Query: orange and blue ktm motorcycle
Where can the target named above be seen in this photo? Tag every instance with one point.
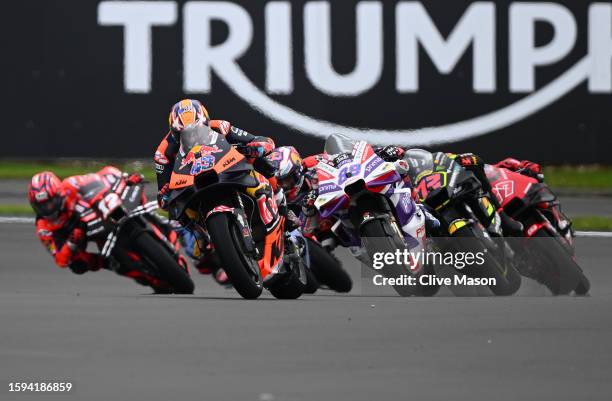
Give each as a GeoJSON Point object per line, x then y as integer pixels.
{"type": "Point", "coordinates": [217, 193]}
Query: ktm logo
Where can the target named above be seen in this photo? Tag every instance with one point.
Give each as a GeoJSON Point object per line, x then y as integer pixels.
{"type": "Point", "coordinates": [229, 161]}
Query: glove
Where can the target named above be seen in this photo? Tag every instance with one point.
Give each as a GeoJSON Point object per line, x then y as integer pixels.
{"type": "Point", "coordinates": [509, 163]}
{"type": "Point", "coordinates": [391, 153]}
{"type": "Point", "coordinates": [163, 196]}
{"type": "Point", "coordinates": [308, 207]}
{"type": "Point", "coordinates": [530, 168]}
{"type": "Point", "coordinates": [469, 160]}
{"type": "Point", "coordinates": [258, 148]}
{"type": "Point", "coordinates": [135, 179]}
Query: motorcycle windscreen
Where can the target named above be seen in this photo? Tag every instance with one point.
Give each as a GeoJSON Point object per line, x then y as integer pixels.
{"type": "Point", "coordinates": [419, 160]}
{"type": "Point", "coordinates": [338, 143]}
{"type": "Point", "coordinates": [201, 135]}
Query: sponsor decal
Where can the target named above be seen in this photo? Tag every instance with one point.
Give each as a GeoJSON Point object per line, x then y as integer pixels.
{"type": "Point", "coordinates": [202, 163]}
{"type": "Point", "coordinates": [160, 158]}
{"type": "Point", "coordinates": [41, 196]}
{"type": "Point", "coordinates": [504, 189]}
{"type": "Point", "coordinates": [414, 27]}
{"type": "Point", "coordinates": [229, 161]}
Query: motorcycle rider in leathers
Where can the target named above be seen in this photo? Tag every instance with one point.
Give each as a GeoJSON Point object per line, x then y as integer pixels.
{"type": "Point", "coordinates": [186, 113]}
{"type": "Point", "coordinates": [60, 231]}
{"type": "Point", "coordinates": [472, 162]}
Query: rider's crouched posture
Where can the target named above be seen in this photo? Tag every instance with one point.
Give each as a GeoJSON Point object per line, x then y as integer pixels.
{"type": "Point", "coordinates": [305, 190]}
{"type": "Point", "coordinates": [58, 224]}
{"type": "Point", "coordinates": [298, 178]}
{"type": "Point", "coordinates": [189, 113]}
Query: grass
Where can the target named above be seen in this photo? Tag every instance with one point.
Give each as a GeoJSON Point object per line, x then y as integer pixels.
{"type": "Point", "coordinates": [14, 169]}
{"type": "Point", "coordinates": [595, 178]}
{"type": "Point", "coordinates": [592, 223]}
{"type": "Point", "coordinates": [588, 178]}
{"type": "Point", "coordinates": [583, 223]}
{"type": "Point", "coordinates": [580, 177]}
{"type": "Point", "coordinates": [16, 210]}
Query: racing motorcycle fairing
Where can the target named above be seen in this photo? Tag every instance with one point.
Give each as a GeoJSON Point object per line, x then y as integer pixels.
{"type": "Point", "coordinates": [349, 173]}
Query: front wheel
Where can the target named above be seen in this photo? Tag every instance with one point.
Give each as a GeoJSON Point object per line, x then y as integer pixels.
{"type": "Point", "coordinates": [157, 257]}
{"type": "Point", "coordinates": [241, 268]}
{"type": "Point", "coordinates": [496, 266]}
{"type": "Point", "coordinates": [379, 237]}
{"type": "Point", "coordinates": [327, 269]}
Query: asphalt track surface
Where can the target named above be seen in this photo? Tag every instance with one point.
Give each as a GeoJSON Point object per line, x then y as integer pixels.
{"type": "Point", "coordinates": [115, 341]}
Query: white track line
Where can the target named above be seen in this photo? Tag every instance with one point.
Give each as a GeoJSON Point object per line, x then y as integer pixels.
{"type": "Point", "coordinates": [30, 220]}
{"type": "Point", "coordinates": [18, 220]}
{"type": "Point", "coordinates": [604, 234]}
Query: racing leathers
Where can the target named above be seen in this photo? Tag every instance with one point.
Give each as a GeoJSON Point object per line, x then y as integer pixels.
{"type": "Point", "coordinates": [67, 241]}
{"type": "Point", "coordinates": [255, 147]}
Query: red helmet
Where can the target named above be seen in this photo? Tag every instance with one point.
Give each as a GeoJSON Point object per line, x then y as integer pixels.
{"type": "Point", "coordinates": [47, 197]}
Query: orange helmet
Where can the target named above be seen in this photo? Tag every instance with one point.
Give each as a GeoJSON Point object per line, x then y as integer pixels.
{"type": "Point", "coordinates": [187, 112]}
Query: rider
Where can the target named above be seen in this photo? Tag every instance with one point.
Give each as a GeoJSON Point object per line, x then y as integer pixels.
{"type": "Point", "coordinates": [57, 223]}
{"type": "Point", "coordinates": [307, 194]}
{"type": "Point", "coordinates": [298, 178]}
{"type": "Point", "coordinates": [187, 113]}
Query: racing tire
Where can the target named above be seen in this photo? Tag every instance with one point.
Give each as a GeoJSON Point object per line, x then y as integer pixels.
{"type": "Point", "coordinates": [376, 239]}
{"type": "Point", "coordinates": [312, 284]}
{"type": "Point", "coordinates": [327, 269]}
{"type": "Point", "coordinates": [568, 275]}
{"type": "Point", "coordinates": [507, 278]}
{"type": "Point", "coordinates": [294, 284]}
{"type": "Point", "coordinates": [242, 269]}
{"type": "Point", "coordinates": [162, 261]}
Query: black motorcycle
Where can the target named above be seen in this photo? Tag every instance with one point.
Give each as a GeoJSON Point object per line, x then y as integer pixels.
{"type": "Point", "coordinates": [469, 222]}
{"type": "Point", "coordinates": [132, 236]}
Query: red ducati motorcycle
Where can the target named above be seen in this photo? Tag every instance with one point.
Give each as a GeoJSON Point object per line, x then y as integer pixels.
{"type": "Point", "coordinates": [546, 250]}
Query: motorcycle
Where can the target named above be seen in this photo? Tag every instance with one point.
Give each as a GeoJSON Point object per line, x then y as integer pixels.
{"type": "Point", "coordinates": [134, 238]}
{"type": "Point", "coordinates": [216, 192]}
{"type": "Point", "coordinates": [372, 208]}
{"type": "Point", "coordinates": [546, 252]}
{"type": "Point", "coordinates": [322, 268]}
{"type": "Point", "coordinates": [468, 219]}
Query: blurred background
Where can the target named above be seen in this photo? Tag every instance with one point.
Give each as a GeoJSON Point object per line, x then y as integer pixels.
{"type": "Point", "coordinates": [89, 82]}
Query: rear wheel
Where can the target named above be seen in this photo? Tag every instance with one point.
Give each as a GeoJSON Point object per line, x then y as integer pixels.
{"type": "Point", "coordinates": [158, 258]}
{"type": "Point", "coordinates": [327, 269]}
{"type": "Point", "coordinates": [558, 270]}
{"type": "Point", "coordinates": [242, 269]}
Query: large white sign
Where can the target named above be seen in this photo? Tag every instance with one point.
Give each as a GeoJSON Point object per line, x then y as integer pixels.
{"type": "Point", "coordinates": [414, 28]}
